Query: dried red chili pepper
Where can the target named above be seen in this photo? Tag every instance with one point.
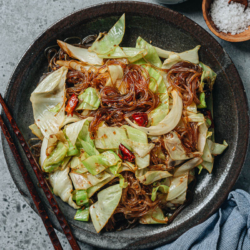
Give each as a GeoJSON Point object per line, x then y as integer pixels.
{"type": "Point", "coordinates": [141, 119]}
{"type": "Point", "coordinates": [71, 105]}
{"type": "Point", "coordinates": [126, 154]}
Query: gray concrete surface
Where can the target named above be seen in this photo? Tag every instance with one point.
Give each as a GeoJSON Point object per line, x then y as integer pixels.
{"type": "Point", "coordinates": [20, 23]}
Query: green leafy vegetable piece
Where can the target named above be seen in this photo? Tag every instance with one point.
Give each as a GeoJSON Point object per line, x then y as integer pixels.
{"type": "Point", "coordinates": [159, 113]}
{"type": "Point", "coordinates": [154, 216]}
{"type": "Point", "coordinates": [151, 56]}
{"type": "Point", "coordinates": [208, 77]}
{"type": "Point", "coordinates": [109, 137]}
{"type": "Point", "coordinates": [138, 137]}
{"type": "Point", "coordinates": [132, 54]}
{"type": "Point", "coordinates": [107, 42]}
{"type": "Point", "coordinates": [178, 186]}
{"type": "Point", "coordinates": [97, 163]}
{"type": "Point", "coordinates": [82, 198]}
{"type": "Point", "coordinates": [72, 150]}
{"type": "Point", "coordinates": [89, 100]}
{"type": "Point", "coordinates": [62, 186]}
{"type": "Point", "coordinates": [151, 176]}
{"type": "Point", "coordinates": [89, 149]}
{"type": "Point", "coordinates": [91, 191]}
{"type": "Point", "coordinates": [208, 166]}
{"type": "Point", "coordinates": [48, 94]}
{"type": "Point", "coordinates": [53, 161]}
{"type": "Point", "coordinates": [81, 54]}
{"type": "Point", "coordinates": [200, 167]}
{"type": "Point", "coordinates": [216, 148]}
{"type": "Point", "coordinates": [102, 210]}
{"type": "Point", "coordinates": [207, 156]}
{"type": "Point", "coordinates": [94, 180]}
{"type": "Point", "coordinates": [77, 165]}
{"type": "Point", "coordinates": [163, 188]}
{"type": "Point", "coordinates": [56, 108]}
{"type": "Point", "coordinates": [82, 214]}
{"type": "Point", "coordinates": [80, 181]}
{"type": "Point", "coordinates": [36, 131]}
{"type": "Point", "coordinates": [202, 98]}
{"type": "Point", "coordinates": [156, 83]}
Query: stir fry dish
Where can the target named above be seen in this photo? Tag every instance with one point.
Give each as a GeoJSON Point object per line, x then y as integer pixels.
{"type": "Point", "coordinates": [123, 131]}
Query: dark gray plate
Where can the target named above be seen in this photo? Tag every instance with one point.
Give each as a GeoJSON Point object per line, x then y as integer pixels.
{"type": "Point", "coordinates": [168, 30]}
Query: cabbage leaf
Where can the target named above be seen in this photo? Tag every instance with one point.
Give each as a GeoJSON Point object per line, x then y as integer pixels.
{"type": "Point", "coordinates": [81, 54]}
{"type": "Point", "coordinates": [154, 216]}
{"type": "Point", "coordinates": [102, 210]}
{"type": "Point", "coordinates": [47, 95]}
{"type": "Point", "coordinates": [151, 56]}
{"type": "Point", "coordinates": [89, 100]}
{"type": "Point", "coordinates": [62, 186]}
{"type": "Point", "coordinates": [106, 43]}
{"type": "Point", "coordinates": [151, 176]}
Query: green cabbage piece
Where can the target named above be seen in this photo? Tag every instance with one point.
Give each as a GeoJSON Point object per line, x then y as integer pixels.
{"type": "Point", "coordinates": [208, 166]}
{"type": "Point", "coordinates": [89, 100]}
{"type": "Point", "coordinates": [138, 136]}
{"type": "Point", "coordinates": [216, 148]}
{"type": "Point", "coordinates": [189, 55]}
{"type": "Point", "coordinates": [62, 186]}
{"type": "Point", "coordinates": [102, 210]}
{"type": "Point", "coordinates": [55, 159]}
{"type": "Point", "coordinates": [151, 176]}
{"type": "Point", "coordinates": [132, 54]}
{"type": "Point", "coordinates": [178, 186]}
{"type": "Point", "coordinates": [80, 181]}
{"type": "Point", "coordinates": [96, 179]}
{"type": "Point", "coordinates": [109, 41]}
{"type": "Point", "coordinates": [81, 197]}
{"type": "Point", "coordinates": [47, 95]}
{"type": "Point", "coordinates": [72, 150]}
{"type": "Point", "coordinates": [97, 163]}
{"type": "Point", "coordinates": [163, 188]}
{"type": "Point", "coordinates": [159, 113]}
{"type": "Point", "coordinates": [81, 54]}
{"type": "Point", "coordinates": [151, 56]}
{"type": "Point", "coordinates": [36, 131]}
{"type": "Point", "coordinates": [208, 77]}
{"type": "Point", "coordinates": [202, 98]}
{"type": "Point", "coordinates": [92, 190]}
{"type": "Point", "coordinates": [76, 163]}
{"type": "Point", "coordinates": [82, 214]}
{"type": "Point", "coordinates": [175, 148]}
{"type": "Point", "coordinates": [156, 83]}
{"type": "Point", "coordinates": [207, 156]}
{"type": "Point", "coordinates": [109, 137]}
{"type": "Point", "coordinates": [153, 213]}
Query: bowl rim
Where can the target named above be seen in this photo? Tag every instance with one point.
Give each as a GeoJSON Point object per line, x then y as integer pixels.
{"type": "Point", "coordinates": [222, 35]}
{"type": "Point", "coordinates": [184, 23]}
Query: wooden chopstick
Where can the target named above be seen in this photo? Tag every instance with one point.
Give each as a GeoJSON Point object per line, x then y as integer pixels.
{"type": "Point", "coordinates": [43, 183]}
{"type": "Point", "coordinates": [39, 205]}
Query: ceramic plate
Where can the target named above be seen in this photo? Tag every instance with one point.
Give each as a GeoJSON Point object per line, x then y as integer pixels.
{"type": "Point", "coordinates": [169, 30]}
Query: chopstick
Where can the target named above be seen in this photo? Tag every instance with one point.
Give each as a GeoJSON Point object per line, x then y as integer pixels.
{"type": "Point", "coordinates": [62, 221]}
{"type": "Point", "coordinates": [39, 205]}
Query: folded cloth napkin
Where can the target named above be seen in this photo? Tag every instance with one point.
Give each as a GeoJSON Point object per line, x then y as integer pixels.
{"type": "Point", "coordinates": [228, 229]}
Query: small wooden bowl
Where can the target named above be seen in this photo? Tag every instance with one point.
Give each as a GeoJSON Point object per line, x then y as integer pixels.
{"type": "Point", "coordinates": [244, 36]}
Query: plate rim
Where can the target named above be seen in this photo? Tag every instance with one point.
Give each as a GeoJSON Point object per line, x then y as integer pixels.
{"type": "Point", "coordinates": [114, 6]}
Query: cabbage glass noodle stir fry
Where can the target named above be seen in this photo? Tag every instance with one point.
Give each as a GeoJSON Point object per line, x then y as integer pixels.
{"type": "Point", "coordinates": [124, 130]}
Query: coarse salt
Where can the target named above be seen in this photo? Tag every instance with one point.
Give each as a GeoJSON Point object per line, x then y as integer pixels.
{"type": "Point", "coordinates": [231, 17]}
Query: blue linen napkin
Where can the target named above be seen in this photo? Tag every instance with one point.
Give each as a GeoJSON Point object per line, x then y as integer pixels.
{"type": "Point", "coordinates": [228, 229]}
